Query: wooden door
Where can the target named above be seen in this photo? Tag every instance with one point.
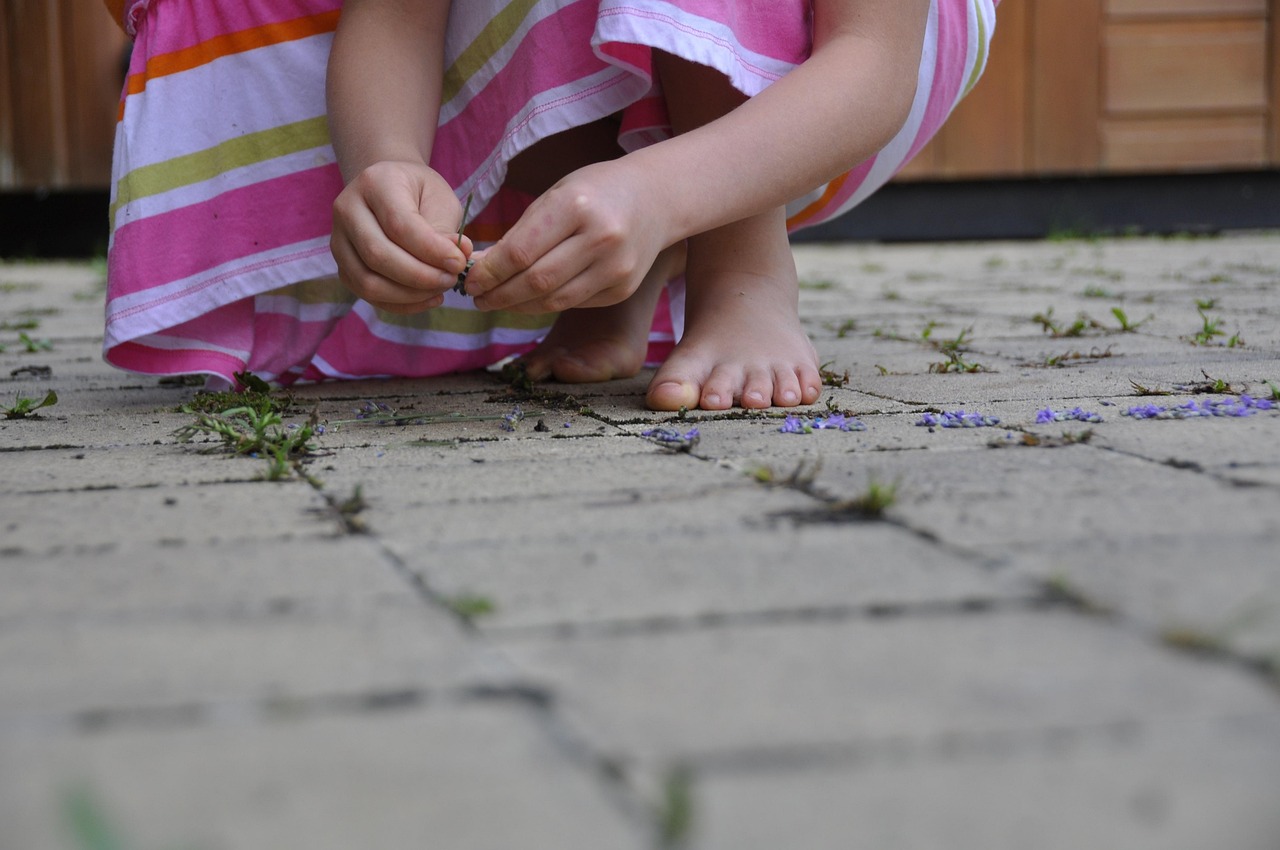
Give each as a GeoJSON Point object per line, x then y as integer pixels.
{"type": "Point", "coordinates": [1119, 86]}
{"type": "Point", "coordinates": [60, 79]}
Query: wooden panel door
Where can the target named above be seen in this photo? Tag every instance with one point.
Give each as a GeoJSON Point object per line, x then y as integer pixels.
{"type": "Point", "coordinates": [1085, 87]}
{"type": "Point", "coordinates": [60, 79]}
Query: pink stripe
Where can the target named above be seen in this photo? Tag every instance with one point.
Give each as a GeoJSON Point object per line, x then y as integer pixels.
{"type": "Point", "coordinates": [759, 26]}
{"type": "Point", "coordinates": [351, 348]}
{"type": "Point", "coordinates": [137, 357]}
{"type": "Point", "coordinates": [735, 48]}
{"type": "Point", "coordinates": [948, 71]}
{"type": "Point", "coordinates": [461, 142]}
{"type": "Point", "coordinates": [181, 25]}
{"type": "Point", "coordinates": [180, 243]}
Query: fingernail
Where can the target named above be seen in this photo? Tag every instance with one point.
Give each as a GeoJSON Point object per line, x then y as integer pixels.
{"type": "Point", "coordinates": [449, 280]}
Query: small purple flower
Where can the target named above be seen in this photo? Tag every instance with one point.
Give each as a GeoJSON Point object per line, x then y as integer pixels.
{"type": "Point", "coordinates": [1243, 406]}
{"type": "Point", "coordinates": [670, 438]}
{"type": "Point", "coordinates": [1076, 414]}
{"type": "Point", "coordinates": [794, 425]}
{"type": "Point", "coordinates": [957, 419]}
{"type": "Point", "coordinates": [831, 422]}
{"type": "Point", "coordinates": [509, 420]}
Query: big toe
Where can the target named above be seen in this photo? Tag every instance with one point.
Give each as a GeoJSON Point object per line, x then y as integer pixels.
{"type": "Point", "coordinates": [672, 395]}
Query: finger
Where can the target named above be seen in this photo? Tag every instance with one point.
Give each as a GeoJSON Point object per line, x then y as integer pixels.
{"type": "Point", "coordinates": [407, 228]}
{"type": "Point", "coordinates": [537, 233]}
{"type": "Point", "coordinates": [541, 284]}
{"type": "Point", "coordinates": [368, 284]}
{"type": "Point", "coordinates": [593, 287]}
{"type": "Point", "coordinates": [386, 259]}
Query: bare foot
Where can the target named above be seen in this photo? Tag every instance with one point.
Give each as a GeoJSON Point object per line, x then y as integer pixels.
{"type": "Point", "coordinates": [587, 345]}
{"type": "Point", "coordinates": [743, 343]}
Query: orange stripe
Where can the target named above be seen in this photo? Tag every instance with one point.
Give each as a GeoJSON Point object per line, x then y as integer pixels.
{"type": "Point", "coordinates": [833, 188]}
{"type": "Point", "coordinates": [229, 44]}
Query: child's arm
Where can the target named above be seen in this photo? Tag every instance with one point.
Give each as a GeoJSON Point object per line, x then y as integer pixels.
{"type": "Point", "coordinates": [836, 110]}
{"type": "Point", "coordinates": [395, 224]}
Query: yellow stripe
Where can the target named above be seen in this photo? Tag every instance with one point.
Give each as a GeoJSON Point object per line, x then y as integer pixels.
{"type": "Point", "coordinates": [329, 290]}
{"type": "Point", "coordinates": [453, 320]}
{"type": "Point", "coordinates": [500, 30]}
{"type": "Point", "coordinates": [980, 60]}
{"type": "Point", "coordinates": [209, 163]}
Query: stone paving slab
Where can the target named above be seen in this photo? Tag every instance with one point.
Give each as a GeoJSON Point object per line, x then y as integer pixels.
{"type": "Point", "coordinates": [758, 570]}
{"type": "Point", "coordinates": [452, 627]}
{"type": "Point", "coordinates": [815, 683]}
{"type": "Point", "coordinates": [1165, 786]}
{"type": "Point", "coordinates": [1215, 587]}
{"type": "Point", "coordinates": [472, 776]}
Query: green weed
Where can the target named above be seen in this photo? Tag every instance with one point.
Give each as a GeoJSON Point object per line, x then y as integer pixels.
{"type": "Point", "coordinates": [24, 407]}
{"type": "Point", "coordinates": [831, 378]}
{"type": "Point", "coordinates": [1127, 326]}
{"type": "Point", "coordinates": [1209, 329]}
{"type": "Point", "coordinates": [470, 606]}
{"type": "Point", "coordinates": [675, 815]}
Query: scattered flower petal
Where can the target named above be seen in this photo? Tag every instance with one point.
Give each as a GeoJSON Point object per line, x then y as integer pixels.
{"type": "Point", "coordinates": [1244, 405]}
{"type": "Point", "coordinates": [670, 438]}
{"type": "Point", "coordinates": [831, 422]}
{"type": "Point", "coordinates": [956, 419]}
{"type": "Point", "coordinates": [1077, 414]}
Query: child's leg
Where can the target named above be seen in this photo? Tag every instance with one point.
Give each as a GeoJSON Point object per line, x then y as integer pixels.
{"type": "Point", "coordinates": [743, 342]}
{"type": "Point", "coordinates": [599, 344]}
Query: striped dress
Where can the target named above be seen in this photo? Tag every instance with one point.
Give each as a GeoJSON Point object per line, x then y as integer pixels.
{"type": "Point", "coordinates": [224, 177]}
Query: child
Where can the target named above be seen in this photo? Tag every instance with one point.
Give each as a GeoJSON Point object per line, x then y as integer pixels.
{"type": "Point", "coordinates": [608, 145]}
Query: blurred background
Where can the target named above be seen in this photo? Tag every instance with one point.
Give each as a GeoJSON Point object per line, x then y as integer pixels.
{"type": "Point", "coordinates": [1095, 116]}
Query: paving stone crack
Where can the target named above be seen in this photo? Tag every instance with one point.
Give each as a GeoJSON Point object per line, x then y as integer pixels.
{"type": "Point", "coordinates": [765, 618]}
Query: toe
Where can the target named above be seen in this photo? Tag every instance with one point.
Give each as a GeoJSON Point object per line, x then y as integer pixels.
{"type": "Point", "coordinates": [786, 388]}
{"type": "Point", "coordinates": [671, 395]}
{"type": "Point", "coordinates": [720, 389]}
{"type": "Point", "coordinates": [757, 389]}
{"type": "Point", "coordinates": [810, 383]}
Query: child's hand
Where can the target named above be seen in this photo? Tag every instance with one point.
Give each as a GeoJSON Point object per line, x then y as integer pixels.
{"type": "Point", "coordinates": [395, 237]}
{"type": "Point", "coordinates": [587, 242]}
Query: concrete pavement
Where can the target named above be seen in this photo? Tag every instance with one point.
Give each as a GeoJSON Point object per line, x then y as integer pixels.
{"type": "Point", "coordinates": [445, 634]}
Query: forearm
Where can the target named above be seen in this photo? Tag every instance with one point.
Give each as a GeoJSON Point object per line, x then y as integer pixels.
{"type": "Point", "coordinates": [384, 81]}
{"type": "Point", "coordinates": [833, 112]}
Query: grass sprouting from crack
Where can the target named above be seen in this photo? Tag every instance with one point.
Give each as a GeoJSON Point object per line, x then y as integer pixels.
{"type": "Point", "coordinates": [1141, 390]}
{"type": "Point", "coordinates": [869, 505]}
{"type": "Point", "coordinates": [676, 809]}
{"type": "Point", "coordinates": [258, 432]}
{"type": "Point", "coordinates": [87, 823]}
{"type": "Point", "coordinates": [954, 350]}
{"type": "Point", "coordinates": [31, 345]}
{"type": "Point", "coordinates": [832, 378]}
{"type": "Point", "coordinates": [255, 393]}
{"type": "Point", "coordinates": [348, 512]}
{"type": "Point", "coordinates": [25, 408]}
{"type": "Point", "coordinates": [1211, 328]}
{"type": "Point", "coordinates": [469, 606]}
{"type": "Point", "coordinates": [1059, 588]}
{"type": "Point", "coordinates": [1060, 360]}
{"type": "Point", "coordinates": [1216, 642]}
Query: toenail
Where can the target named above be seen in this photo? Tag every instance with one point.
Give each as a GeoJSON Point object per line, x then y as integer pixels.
{"type": "Point", "coordinates": [713, 399]}
{"type": "Point", "coordinates": [790, 395]}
